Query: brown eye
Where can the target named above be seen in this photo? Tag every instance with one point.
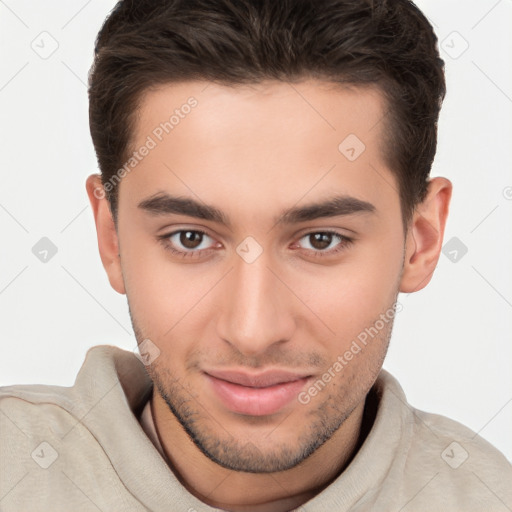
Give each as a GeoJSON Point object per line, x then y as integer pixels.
{"type": "Point", "coordinates": [188, 241]}
{"type": "Point", "coordinates": [320, 241]}
{"type": "Point", "coordinates": [324, 243]}
{"type": "Point", "coordinates": [191, 239]}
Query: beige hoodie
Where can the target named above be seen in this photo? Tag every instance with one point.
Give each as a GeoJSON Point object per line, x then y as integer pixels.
{"type": "Point", "coordinates": [93, 447]}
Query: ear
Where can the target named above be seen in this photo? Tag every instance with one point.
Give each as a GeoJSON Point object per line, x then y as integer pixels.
{"type": "Point", "coordinates": [108, 243]}
{"type": "Point", "coordinates": [424, 238]}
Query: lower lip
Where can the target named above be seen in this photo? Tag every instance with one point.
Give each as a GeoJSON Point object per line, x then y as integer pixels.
{"type": "Point", "coordinates": [256, 401]}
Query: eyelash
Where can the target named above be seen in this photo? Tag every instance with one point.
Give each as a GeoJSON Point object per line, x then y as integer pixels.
{"type": "Point", "coordinates": [342, 245]}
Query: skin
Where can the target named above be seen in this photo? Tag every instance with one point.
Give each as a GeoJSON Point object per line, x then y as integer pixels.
{"type": "Point", "coordinates": [254, 152]}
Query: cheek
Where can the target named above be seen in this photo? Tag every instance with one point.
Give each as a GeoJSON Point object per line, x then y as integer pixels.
{"type": "Point", "coordinates": [154, 292]}
{"type": "Point", "coordinates": [352, 296]}
{"type": "Point", "coordinates": [166, 299]}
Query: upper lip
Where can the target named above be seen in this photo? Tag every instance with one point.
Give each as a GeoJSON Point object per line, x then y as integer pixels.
{"type": "Point", "coordinates": [259, 380]}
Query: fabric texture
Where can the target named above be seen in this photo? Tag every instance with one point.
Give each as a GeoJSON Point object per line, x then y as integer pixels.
{"type": "Point", "coordinates": [94, 446]}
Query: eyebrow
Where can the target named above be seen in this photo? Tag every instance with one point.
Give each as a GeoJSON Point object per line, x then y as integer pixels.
{"type": "Point", "coordinates": [165, 204]}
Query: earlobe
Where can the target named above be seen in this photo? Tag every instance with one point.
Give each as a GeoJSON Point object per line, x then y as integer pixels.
{"type": "Point", "coordinates": [108, 243]}
{"type": "Point", "coordinates": [424, 238]}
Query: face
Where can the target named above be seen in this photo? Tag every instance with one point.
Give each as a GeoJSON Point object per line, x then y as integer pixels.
{"type": "Point", "coordinates": [260, 243]}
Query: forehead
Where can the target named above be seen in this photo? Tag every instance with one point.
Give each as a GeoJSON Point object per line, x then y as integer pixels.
{"type": "Point", "coordinates": [271, 141]}
{"type": "Point", "coordinates": [234, 112]}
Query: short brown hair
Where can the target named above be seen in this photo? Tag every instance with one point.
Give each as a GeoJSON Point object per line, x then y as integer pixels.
{"type": "Point", "coordinates": [387, 43]}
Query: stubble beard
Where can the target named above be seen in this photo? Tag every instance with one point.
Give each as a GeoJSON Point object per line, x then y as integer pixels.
{"type": "Point", "coordinates": [218, 445]}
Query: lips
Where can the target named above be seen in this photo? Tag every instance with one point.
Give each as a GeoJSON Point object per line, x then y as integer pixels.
{"type": "Point", "coordinates": [261, 380]}
{"type": "Point", "coordinates": [256, 394]}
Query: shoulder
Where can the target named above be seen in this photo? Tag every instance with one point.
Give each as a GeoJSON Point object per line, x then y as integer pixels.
{"type": "Point", "coordinates": [446, 462]}
{"type": "Point", "coordinates": [36, 407]}
{"type": "Point", "coordinates": [460, 446]}
{"type": "Point", "coordinates": [54, 440]}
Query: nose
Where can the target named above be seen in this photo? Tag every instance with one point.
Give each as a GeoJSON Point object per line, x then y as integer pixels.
{"type": "Point", "coordinates": [256, 310]}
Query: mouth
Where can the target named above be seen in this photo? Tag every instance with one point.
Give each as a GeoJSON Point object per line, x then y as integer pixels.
{"type": "Point", "coordinates": [256, 395]}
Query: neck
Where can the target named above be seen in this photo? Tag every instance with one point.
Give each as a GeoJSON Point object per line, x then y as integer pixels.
{"type": "Point", "coordinates": [254, 492]}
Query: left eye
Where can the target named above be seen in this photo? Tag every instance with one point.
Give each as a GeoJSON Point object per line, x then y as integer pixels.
{"type": "Point", "coordinates": [322, 241]}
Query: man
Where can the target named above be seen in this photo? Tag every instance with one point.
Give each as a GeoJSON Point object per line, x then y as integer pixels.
{"type": "Point", "coordinates": [264, 197]}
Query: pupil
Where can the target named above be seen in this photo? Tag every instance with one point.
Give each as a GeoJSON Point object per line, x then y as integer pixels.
{"type": "Point", "coordinates": [191, 239]}
{"type": "Point", "coordinates": [321, 240]}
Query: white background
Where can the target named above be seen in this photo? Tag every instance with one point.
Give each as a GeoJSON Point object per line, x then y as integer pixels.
{"type": "Point", "coordinates": [451, 348]}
